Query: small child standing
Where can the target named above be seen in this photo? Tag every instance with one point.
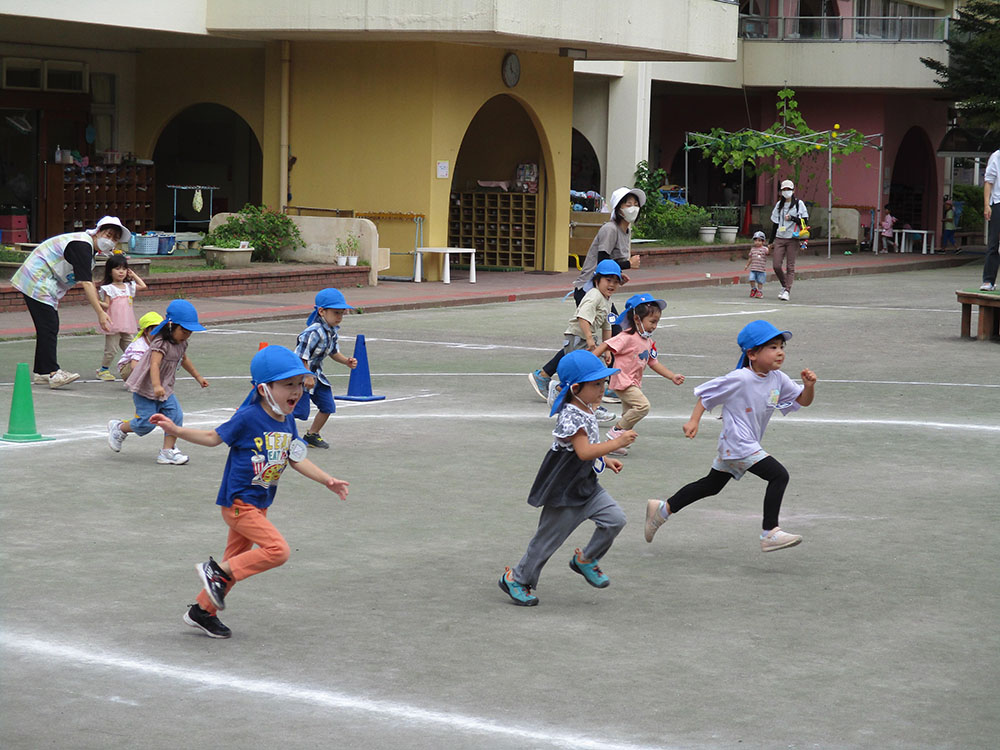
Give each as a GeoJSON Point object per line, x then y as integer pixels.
{"type": "Point", "coordinates": [633, 349]}
{"type": "Point", "coordinates": [115, 296]}
{"type": "Point", "coordinates": [315, 343]}
{"type": "Point", "coordinates": [566, 486]}
{"type": "Point", "coordinates": [152, 381]}
{"type": "Point", "coordinates": [138, 346]}
{"type": "Point", "coordinates": [748, 395]}
{"type": "Point", "coordinates": [757, 263]}
{"type": "Point", "coordinates": [588, 328]}
{"type": "Point", "coordinates": [262, 441]}
{"type": "Point", "coordinates": [888, 222]}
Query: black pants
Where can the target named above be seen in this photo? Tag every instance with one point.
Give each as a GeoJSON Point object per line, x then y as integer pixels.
{"type": "Point", "coordinates": [992, 262]}
{"type": "Point", "coordinates": [769, 469]}
{"type": "Point", "coordinates": [46, 320]}
{"type": "Point", "coordinates": [552, 365]}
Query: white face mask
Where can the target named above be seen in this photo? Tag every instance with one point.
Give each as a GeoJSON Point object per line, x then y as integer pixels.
{"type": "Point", "coordinates": [630, 213]}
{"type": "Point", "coordinates": [786, 193]}
{"type": "Point", "coordinates": [641, 330]}
{"type": "Point", "coordinates": [266, 393]}
{"type": "Point", "coordinates": [105, 245]}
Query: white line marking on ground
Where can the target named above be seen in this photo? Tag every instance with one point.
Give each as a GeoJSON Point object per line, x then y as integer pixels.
{"type": "Point", "coordinates": [856, 307]}
{"type": "Point", "coordinates": [721, 315]}
{"type": "Point", "coordinates": [286, 691]}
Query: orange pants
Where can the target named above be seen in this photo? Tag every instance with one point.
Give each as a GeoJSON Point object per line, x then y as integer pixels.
{"type": "Point", "coordinates": [248, 525]}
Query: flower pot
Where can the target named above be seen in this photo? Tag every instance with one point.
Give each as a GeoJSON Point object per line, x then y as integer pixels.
{"type": "Point", "coordinates": [228, 257]}
{"type": "Point", "coordinates": [352, 260]}
{"type": "Point", "coordinates": [707, 234]}
{"type": "Point", "coordinates": [341, 260]}
{"type": "Point", "coordinates": [728, 234]}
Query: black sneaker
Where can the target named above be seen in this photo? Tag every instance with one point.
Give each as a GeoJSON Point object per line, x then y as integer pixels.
{"type": "Point", "coordinates": [196, 617]}
{"type": "Point", "coordinates": [214, 581]}
{"type": "Point", "coordinates": [315, 440]}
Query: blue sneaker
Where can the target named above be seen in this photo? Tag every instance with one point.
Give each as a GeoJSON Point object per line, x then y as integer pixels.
{"type": "Point", "coordinates": [594, 575]}
{"type": "Point", "coordinates": [610, 397]}
{"type": "Point", "coordinates": [520, 593]}
{"type": "Point", "coordinates": [539, 383]}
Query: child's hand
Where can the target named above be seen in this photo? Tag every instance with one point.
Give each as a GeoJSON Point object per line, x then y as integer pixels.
{"type": "Point", "coordinates": [308, 382]}
{"type": "Point", "coordinates": [607, 358]}
{"type": "Point", "coordinates": [614, 464]}
{"type": "Point", "coordinates": [808, 377]}
{"type": "Point", "coordinates": [202, 382]}
{"type": "Point", "coordinates": [165, 423]}
{"type": "Point", "coordinates": [627, 437]}
{"type": "Point", "coordinates": [351, 362]}
{"type": "Point", "coordinates": [690, 428]}
{"type": "Point", "coordinates": [160, 392]}
{"type": "Point", "coordinates": [677, 379]}
{"type": "Point", "coordinates": [337, 485]}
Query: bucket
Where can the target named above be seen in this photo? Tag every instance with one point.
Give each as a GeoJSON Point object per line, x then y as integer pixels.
{"type": "Point", "coordinates": [166, 244]}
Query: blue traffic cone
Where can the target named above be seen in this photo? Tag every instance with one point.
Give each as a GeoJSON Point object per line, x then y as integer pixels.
{"type": "Point", "coordinates": [21, 425]}
{"type": "Point", "coordinates": [359, 387]}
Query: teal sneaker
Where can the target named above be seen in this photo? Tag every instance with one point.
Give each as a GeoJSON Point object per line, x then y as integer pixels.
{"type": "Point", "coordinates": [594, 575]}
{"type": "Point", "coordinates": [539, 383]}
{"type": "Point", "coordinates": [520, 593]}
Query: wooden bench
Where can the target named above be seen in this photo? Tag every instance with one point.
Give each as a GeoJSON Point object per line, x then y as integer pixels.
{"type": "Point", "coordinates": [989, 320]}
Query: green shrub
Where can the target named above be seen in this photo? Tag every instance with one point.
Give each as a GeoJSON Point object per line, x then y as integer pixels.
{"type": "Point", "coordinates": [972, 211]}
{"type": "Point", "coordinates": [666, 221]}
{"type": "Point", "coordinates": [267, 232]}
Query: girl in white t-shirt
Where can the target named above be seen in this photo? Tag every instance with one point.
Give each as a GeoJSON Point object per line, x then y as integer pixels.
{"type": "Point", "coordinates": [748, 395]}
{"type": "Point", "coordinates": [633, 349]}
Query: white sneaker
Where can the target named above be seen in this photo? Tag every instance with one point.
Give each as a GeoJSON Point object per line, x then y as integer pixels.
{"type": "Point", "coordinates": [784, 295]}
{"type": "Point", "coordinates": [38, 378]}
{"type": "Point", "coordinates": [777, 539]}
{"type": "Point", "coordinates": [613, 433]}
{"type": "Point", "coordinates": [115, 435]}
{"type": "Point", "coordinates": [654, 519]}
{"type": "Point", "coordinates": [60, 378]}
{"type": "Point", "coordinates": [604, 416]}
{"type": "Point", "coordinates": [987, 287]}
{"type": "Point", "coordinates": [554, 387]}
{"type": "Point", "coordinates": [171, 456]}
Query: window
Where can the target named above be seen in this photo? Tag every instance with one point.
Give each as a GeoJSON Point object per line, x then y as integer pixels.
{"type": "Point", "coordinates": [22, 73]}
{"type": "Point", "coordinates": [65, 75]}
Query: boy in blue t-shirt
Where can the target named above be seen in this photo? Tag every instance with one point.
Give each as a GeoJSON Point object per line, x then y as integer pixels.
{"type": "Point", "coordinates": [262, 441]}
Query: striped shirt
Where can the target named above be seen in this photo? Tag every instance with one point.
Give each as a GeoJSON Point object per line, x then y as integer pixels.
{"type": "Point", "coordinates": [315, 343]}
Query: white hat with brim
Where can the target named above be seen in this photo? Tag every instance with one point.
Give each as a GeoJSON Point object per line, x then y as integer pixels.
{"type": "Point", "coordinates": [787, 185]}
{"type": "Point", "coordinates": [619, 195]}
{"type": "Point", "coordinates": [111, 221]}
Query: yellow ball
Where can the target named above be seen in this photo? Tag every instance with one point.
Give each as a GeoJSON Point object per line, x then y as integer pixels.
{"type": "Point", "coordinates": [836, 126]}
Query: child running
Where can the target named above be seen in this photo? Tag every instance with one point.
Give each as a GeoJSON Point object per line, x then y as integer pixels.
{"type": "Point", "coordinates": [588, 328]}
{"type": "Point", "coordinates": [566, 486]}
{"type": "Point", "coordinates": [262, 441]}
{"type": "Point", "coordinates": [749, 395]}
{"type": "Point", "coordinates": [139, 345]}
{"type": "Point", "coordinates": [315, 343]}
{"type": "Point", "coordinates": [757, 264]}
{"type": "Point", "coordinates": [633, 349]}
{"type": "Point", "coordinates": [152, 381]}
{"type": "Point", "coordinates": [115, 296]}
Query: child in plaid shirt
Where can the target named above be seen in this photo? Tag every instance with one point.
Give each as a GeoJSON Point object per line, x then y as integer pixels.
{"type": "Point", "coordinates": [315, 343]}
{"type": "Point", "coordinates": [757, 264]}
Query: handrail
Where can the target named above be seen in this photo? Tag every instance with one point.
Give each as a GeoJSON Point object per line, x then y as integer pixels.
{"type": "Point", "coordinates": [845, 28]}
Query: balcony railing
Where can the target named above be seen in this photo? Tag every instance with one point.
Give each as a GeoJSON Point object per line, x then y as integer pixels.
{"type": "Point", "coordinates": [844, 28]}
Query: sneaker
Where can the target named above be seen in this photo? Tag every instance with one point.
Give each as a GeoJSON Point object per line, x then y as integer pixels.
{"type": "Point", "coordinates": [603, 416]}
{"type": "Point", "coordinates": [594, 575]}
{"type": "Point", "coordinates": [777, 539]}
{"type": "Point", "coordinates": [760, 294]}
{"type": "Point", "coordinates": [315, 440]}
{"type": "Point", "coordinates": [654, 518]}
{"type": "Point", "coordinates": [610, 397]}
{"type": "Point", "coordinates": [103, 373]}
{"type": "Point", "coordinates": [115, 435]}
{"type": "Point", "coordinates": [613, 433]}
{"type": "Point", "coordinates": [539, 383]}
{"type": "Point", "coordinates": [987, 287]}
{"type": "Point", "coordinates": [753, 292]}
{"type": "Point", "coordinates": [784, 295]}
{"type": "Point", "coordinates": [196, 617]}
{"type": "Point", "coordinates": [519, 592]}
{"type": "Point", "coordinates": [554, 387]}
{"type": "Point", "coordinates": [38, 378]}
{"type": "Point", "coordinates": [171, 456]}
{"type": "Point", "coordinates": [214, 581]}
{"type": "Point", "coordinates": [60, 378]}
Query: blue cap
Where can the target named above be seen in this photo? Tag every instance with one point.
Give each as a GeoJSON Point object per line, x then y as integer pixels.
{"type": "Point", "coordinates": [633, 302]}
{"type": "Point", "coordinates": [580, 366]}
{"type": "Point", "coordinates": [270, 364]}
{"type": "Point", "coordinates": [328, 299]}
{"type": "Point", "coordinates": [756, 334]}
{"type": "Point", "coordinates": [182, 313]}
{"type": "Point", "coordinates": [608, 267]}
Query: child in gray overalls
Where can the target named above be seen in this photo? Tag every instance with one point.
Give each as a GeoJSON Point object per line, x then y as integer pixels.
{"type": "Point", "coordinates": [566, 486]}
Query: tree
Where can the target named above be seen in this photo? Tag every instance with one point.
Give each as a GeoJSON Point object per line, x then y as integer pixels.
{"type": "Point", "coordinates": [971, 77]}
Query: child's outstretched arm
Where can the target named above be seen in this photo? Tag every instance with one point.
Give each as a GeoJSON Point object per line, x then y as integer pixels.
{"type": "Point", "coordinates": [808, 387]}
{"type": "Point", "coordinates": [308, 469]}
{"type": "Point", "coordinates": [587, 451]}
{"type": "Point", "coordinates": [660, 369]}
{"type": "Point", "coordinates": [341, 359]}
{"type": "Point", "coordinates": [691, 426]}
{"type": "Point", "coordinates": [188, 365]}
{"type": "Point", "coordinates": [208, 438]}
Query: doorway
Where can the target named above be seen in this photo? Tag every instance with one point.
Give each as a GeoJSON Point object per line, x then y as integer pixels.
{"type": "Point", "coordinates": [912, 192]}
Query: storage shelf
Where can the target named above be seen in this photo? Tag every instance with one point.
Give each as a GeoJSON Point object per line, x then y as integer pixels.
{"type": "Point", "coordinates": [76, 197]}
{"type": "Point", "coordinates": [501, 226]}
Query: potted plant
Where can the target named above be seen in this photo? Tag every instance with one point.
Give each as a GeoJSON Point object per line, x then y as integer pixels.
{"type": "Point", "coordinates": [347, 248]}
{"type": "Point", "coordinates": [707, 234]}
{"type": "Point", "coordinates": [228, 253]}
{"type": "Point", "coordinates": [265, 231]}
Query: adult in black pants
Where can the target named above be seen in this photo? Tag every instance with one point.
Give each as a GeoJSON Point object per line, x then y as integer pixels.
{"type": "Point", "coordinates": [991, 197]}
{"type": "Point", "coordinates": [52, 269]}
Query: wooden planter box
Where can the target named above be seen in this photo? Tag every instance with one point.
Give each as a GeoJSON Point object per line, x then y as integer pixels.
{"type": "Point", "coordinates": [228, 257]}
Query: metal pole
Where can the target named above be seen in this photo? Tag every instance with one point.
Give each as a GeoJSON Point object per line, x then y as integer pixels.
{"type": "Point", "coordinates": [687, 195]}
{"type": "Point", "coordinates": [878, 200]}
{"type": "Point", "coordinates": [829, 193]}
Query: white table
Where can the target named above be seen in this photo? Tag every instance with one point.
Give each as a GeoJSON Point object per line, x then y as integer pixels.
{"type": "Point", "coordinates": [446, 252]}
{"type": "Point", "coordinates": [905, 245]}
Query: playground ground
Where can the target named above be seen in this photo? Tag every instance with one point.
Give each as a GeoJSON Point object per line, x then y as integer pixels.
{"type": "Point", "coordinates": [386, 628]}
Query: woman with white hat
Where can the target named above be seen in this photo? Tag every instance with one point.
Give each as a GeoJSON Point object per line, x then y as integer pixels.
{"type": "Point", "coordinates": [52, 269]}
{"type": "Point", "coordinates": [787, 217]}
{"type": "Point", "coordinates": [613, 240]}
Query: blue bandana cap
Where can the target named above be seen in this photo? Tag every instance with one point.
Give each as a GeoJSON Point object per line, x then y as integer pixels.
{"type": "Point", "coordinates": [328, 299]}
{"type": "Point", "coordinates": [270, 364]}
{"type": "Point", "coordinates": [608, 267]}
{"type": "Point", "coordinates": [182, 313]}
{"type": "Point", "coordinates": [633, 302]}
{"type": "Point", "coordinates": [756, 334]}
{"type": "Point", "coordinates": [576, 367]}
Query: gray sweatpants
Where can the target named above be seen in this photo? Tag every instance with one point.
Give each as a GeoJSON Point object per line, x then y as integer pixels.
{"type": "Point", "coordinates": [556, 524]}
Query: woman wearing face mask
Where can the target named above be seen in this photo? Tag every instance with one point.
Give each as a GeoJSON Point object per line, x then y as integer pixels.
{"type": "Point", "coordinates": [787, 216]}
{"type": "Point", "coordinates": [613, 240]}
{"type": "Point", "coordinates": [52, 269]}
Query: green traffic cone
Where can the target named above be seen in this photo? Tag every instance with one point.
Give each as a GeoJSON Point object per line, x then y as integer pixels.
{"type": "Point", "coordinates": [21, 426]}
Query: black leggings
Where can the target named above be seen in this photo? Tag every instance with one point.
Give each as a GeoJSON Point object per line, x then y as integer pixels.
{"type": "Point", "coordinates": [768, 469]}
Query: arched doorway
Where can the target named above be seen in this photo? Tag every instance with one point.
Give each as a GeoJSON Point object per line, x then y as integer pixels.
{"type": "Point", "coordinates": [206, 144]}
{"type": "Point", "coordinates": [500, 216]}
{"type": "Point", "coordinates": [585, 168]}
{"type": "Point", "coordinates": [914, 177]}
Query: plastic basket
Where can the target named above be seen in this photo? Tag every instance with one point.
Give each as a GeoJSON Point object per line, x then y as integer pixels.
{"type": "Point", "coordinates": [166, 244]}
{"type": "Point", "coordinates": [146, 244]}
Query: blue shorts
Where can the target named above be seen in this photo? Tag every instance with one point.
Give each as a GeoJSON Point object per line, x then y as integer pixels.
{"type": "Point", "coordinates": [147, 407]}
{"type": "Point", "coordinates": [322, 396]}
{"type": "Point", "coordinates": [759, 276]}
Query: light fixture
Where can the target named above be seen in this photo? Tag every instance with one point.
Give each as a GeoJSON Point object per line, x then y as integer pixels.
{"type": "Point", "coordinates": [20, 124]}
